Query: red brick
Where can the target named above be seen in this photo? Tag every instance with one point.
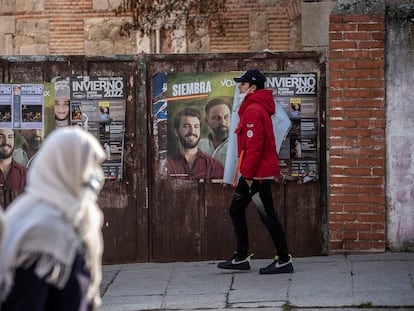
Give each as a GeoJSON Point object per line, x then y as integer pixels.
{"type": "Point", "coordinates": [342, 217]}
{"type": "Point", "coordinates": [342, 123]}
{"type": "Point", "coordinates": [371, 236]}
{"type": "Point", "coordinates": [377, 53]}
{"type": "Point", "coordinates": [355, 36]}
{"type": "Point", "coordinates": [357, 54]}
{"type": "Point", "coordinates": [356, 18]}
{"type": "Point", "coordinates": [342, 64]}
{"type": "Point", "coordinates": [369, 218]}
{"type": "Point", "coordinates": [377, 18]}
{"type": "Point", "coordinates": [343, 83]}
{"type": "Point", "coordinates": [371, 142]}
{"type": "Point", "coordinates": [359, 208]}
{"type": "Point", "coordinates": [357, 171]}
{"type": "Point", "coordinates": [342, 103]}
{"type": "Point", "coordinates": [335, 36]}
{"type": "Point", "coordinates": [378, 93]}
{"type": "Point", "coordinates": [334, 141]}
{"type": "Point", "coordinates": [370, 162]}
{"type": "Point", "coordinates": [371, 45]}
{"type": "Point", "coordinates": [335, 151]}
{"type": "Point", "coordinates": [350, 235]}
{"type": "Point", "coordinates": [355, 152]}
{"type": "Point", "coordinates": [376, 171]}
{"type": "Point", "coordinates": [334, 45]}
{"type": "Point", "coordinates": [371, 103]}
{"type": "Point", "coordinates": [377, 190]}
{"type": "Point", "coordinates": [374, 83]}
{"type": "Point", "coordinates": [371, 124]}
{"type": "Point", "coordinates": [371, 199]}
{"type": "Point", "coordinates": [378, 133]}
{"type": "Point", "coordinates": [379, 245]}
{"type": "Point", "coordinates": [357, 93]}
{"type": "Point", "coordinates": [351, 245]}
{"type": "Point", "coordinates": [338, 24]}
{"type": "Point", "coordinates": [356, 190]}
{"type": "Point", "coordinates": [335, 74]}
{"type": "Point", "coordinates": [333, 113]}
{"type": "Point", "coordinates": [343, 180]}
{"type": "Point", "coordinates": [357, 73]}
{"type": "Point", "coordinates": [335, 93]}
{"type": "Point", "coordinates": [371, 27]}
{"type": "Point", "coordinates": [356, 133]}
{"type": "Point", "coordinates": [343, 199]}
{"type": "Point", "coordinates": [335, 246]}
{"type": "Point", "coordinates": [333, 170]}
{"type": "Point", "coordinates": [334, 133]}
{"type": "Point", "coordinates": [370, 63]}
{"type": "Point", "coordinates": [343, 161]}
{"type": "Point", "coordinates": [357, 113]}
{"type": "Point", "coordinates": [378, 227]}
{"type": "Point", "coordinates": [333, 190]}
{"type": "Point", "coordinates": [379, 36]}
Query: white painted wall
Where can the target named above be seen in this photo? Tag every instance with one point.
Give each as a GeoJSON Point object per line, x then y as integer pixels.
{"type": "Point", "coordinates": [400, 127]}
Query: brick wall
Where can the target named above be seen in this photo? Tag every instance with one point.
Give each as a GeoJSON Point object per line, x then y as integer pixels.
{"type": "Point", "coordinates": [356, 131]}
{"type": "Point", "coordinates": [280, 15]}
{"type": "Point", "coordinates": [61, 27]}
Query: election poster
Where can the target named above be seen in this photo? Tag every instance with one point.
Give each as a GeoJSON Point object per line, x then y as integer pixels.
{"type": "Point", "coordinates": [98, 105]}
{"type": "Point", "coordinates": [294, 125]}
{"type": "Point", "coordinates": [297, 94]}
{"type": "Point", "coordinates": [199, 112]}
{"type": "Point", "coordinates": [22, 116]}
{"type": "Point", "coordinates": [21, 106]}
{"type": "Point", "coordinates": [30, 111]}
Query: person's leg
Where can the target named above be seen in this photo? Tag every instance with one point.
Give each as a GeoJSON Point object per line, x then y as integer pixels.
{"type": "Point", "coordinates": [268, 215]}
{"type": "Point", "coordinates": [263, 200]}
{"type": "Point", "coordinates": [241, 199]}
{"type": "Point", "coordinates": [239, 203]}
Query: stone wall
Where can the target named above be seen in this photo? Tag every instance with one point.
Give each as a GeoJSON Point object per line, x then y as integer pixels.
{"type": "Point", "coordinates": [102, 37]}
{"type": "Point", "coordinates": [91, 27]}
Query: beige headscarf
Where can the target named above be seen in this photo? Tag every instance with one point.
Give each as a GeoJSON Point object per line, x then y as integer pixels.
{"type": "Point", "coordinates": [58, 213]}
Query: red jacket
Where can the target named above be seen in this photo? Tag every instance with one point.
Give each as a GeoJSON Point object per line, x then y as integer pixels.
{"type": "Point", "coordinates": [255, 139]}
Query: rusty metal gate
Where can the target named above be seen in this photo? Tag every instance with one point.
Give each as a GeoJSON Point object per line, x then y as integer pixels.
{"type": "Point", "coordinates": [189, 220]}
{"type": "Point", "coordinates": [123, 202]}
{"type": "Point", "coordinates": [152, 218]}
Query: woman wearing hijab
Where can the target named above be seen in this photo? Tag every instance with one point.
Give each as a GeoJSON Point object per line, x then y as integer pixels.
{"type": "Point", "coordinates": [51, 246]}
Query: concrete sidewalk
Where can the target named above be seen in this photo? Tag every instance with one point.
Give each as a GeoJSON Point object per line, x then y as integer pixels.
{"type": "Point", "coordinates": [376, 281]}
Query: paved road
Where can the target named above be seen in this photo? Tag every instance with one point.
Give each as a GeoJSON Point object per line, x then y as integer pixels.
{"type": "Point", "coordinates": [373, 282]}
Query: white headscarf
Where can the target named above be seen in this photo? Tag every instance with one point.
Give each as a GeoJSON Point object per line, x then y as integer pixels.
{"type": "Point", "coordinates": [58, 213]}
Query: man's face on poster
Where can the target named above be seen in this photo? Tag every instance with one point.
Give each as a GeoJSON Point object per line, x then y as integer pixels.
{"type": "Point", "coordinates": [189, 132]}
{"type": "Point", "coordinates": [218, 120]}
{"type": "Point", "coordinates": [33, 138]}
{"type": "Point", "coordinates": [6, 143]}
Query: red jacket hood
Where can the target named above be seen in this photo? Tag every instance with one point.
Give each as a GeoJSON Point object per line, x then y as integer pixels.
{"type": "Point", "coordinates": [262, 97]}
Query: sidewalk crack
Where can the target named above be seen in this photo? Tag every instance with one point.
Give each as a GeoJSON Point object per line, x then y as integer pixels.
{"type": "Point", "coordinates": [164, 295]}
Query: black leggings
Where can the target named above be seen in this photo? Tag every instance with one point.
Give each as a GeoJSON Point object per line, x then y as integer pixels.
{"type": "Point", "coordinates": [261, 194]}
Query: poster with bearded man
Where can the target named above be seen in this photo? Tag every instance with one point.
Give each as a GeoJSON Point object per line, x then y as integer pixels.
{"type": "Point", "coordinates": [199, 113]}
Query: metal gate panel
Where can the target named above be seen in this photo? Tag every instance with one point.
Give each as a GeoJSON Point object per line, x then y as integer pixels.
{"type": "Point", "coordinates": [150, 218]}
{"type": "Point", "coordinates": [124, 203]}
{"type": "Point", "coordinates": [203, 206]}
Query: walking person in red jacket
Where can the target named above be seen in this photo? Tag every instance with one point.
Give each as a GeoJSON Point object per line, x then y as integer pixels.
{"type": "Point", "coordinates": [259, 167]}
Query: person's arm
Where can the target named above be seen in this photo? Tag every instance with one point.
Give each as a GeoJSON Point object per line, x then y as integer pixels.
{"type": "Point", "coordinates": [254, 140]}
